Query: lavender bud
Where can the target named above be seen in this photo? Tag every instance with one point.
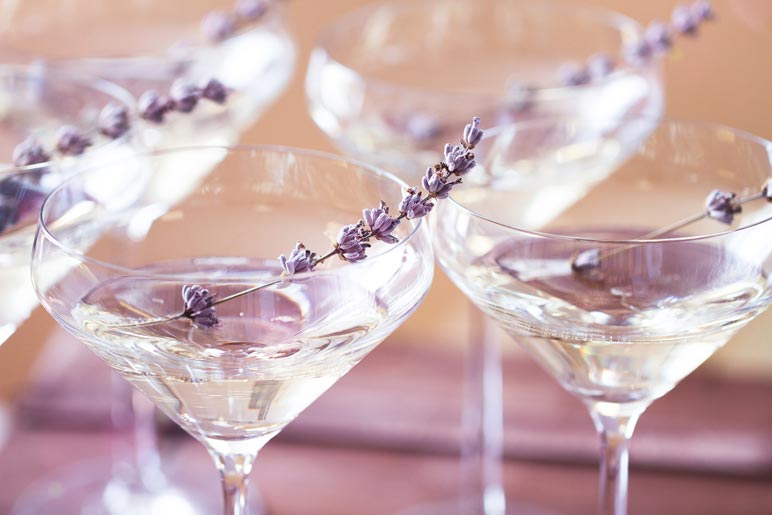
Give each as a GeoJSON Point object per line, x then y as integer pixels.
{"type": "Point", "coordinates": [217, 25]}
{"type": "Point", "coordinates": [638, 53]}
{"type": "Point", "coordinates": [684, 21]}
{"type": "Point", "coordinates": [458, 159]}
{"type": "Point", "coordinates": [600, 66]}
{"type": "Point", "coordinates": [153, 107]}
{"type": "Point", "coordinates": [351, 243]}
{"type": "Point", "coordinates": [658, 36]}
{"type": "Point", "coordinates": [437, 185]}
{"type": "Point", "coordinates": [721, 206]}
{"type": "Point", "coordinates": [767, 190]}
{"type": "Point", "coordinates": [70, 141]}
{"type": "Point", "coordinates": [199, 306]}
{"type": "Point", "coordinates": [414, 204]}
{"type": "Point", "coordinates": [702, 10]}
{"type": "Point", "coordinates": [520, 96]}
{"type": "Point", "coordinates": [380, 223]}
{"type": "Point", "coordinates": [586, 260]}
{"type": "Point", "coordinates": [113, 120]}
{"type": "Point", "coordinates": [29, 152]}
{"type": "Point", "coordinates": [300, 260]}
{"type": "Point", "coordinates": [251, 10]}
{"type": "Point", "coordinates": [184, 95]}
{"type": "Point", "coordinates": [214, 90]}
{"type": "Point", "coordinates": [9, 212]}
{"type": "Point", "coordinates": [571, 74]}
{"type": "Point", "coordinates": [472, 133]}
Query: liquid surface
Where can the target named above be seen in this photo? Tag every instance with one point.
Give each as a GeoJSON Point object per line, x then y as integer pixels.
{"type": "Point", "coordinates": [274, 352]}
{"type": "Point", "coordinates": [628, 331]}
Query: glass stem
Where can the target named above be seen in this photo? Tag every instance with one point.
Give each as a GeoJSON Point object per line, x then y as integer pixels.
{"type": "Point", "coordinates": [234, 469]}
{"type": "Point", "coordinates": [483, 419]}
{"type": "Point", "coordinates": [615, 426]}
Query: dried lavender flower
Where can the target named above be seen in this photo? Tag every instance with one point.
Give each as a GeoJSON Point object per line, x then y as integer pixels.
{"type": "Point", "coordinates": [70, 141]}
{"type": "Point", "coordinates": [214, 90]}
{"type": "Point", "coordinates": [472, 134]}
{"type": "Point", "coordinates": [29, 152]}
{"type": "Point", "coordinates": [217, 25]}
{"type": "Point", "coordinates": [703, 10]}
{"type": "Point", "coordinates": [251, 10]}
{"type": "Point", "coordinates": [184, 95]}
{"type": "Point", "coordinates": [600, 66]}
{"type": "Point", "coordinates": [113, 120]}
{"type": "Point", "coordinates": [153, 107]}
{"type": "Point", "coordinates": [351, 243]}
{"type": "Point", "coordinates": [684, 21]}
{"type": "Point", "coordinates": [721, 206]}
{"type": "Point", "coordinates": [766, 191]}
{"type": "Point", "coordinates": [638, 52]}
{"type": "Point", "coordinates": [572, 74]}
{"type": "Point", "coordinates": [586, 260]}
{"type": "Point", "coordinates": [9, 212]}
{"type": "Point", "coordinates": [414, 204]}
{"type": "Point", "coordinates": [458, 159]}
{"type": "Point", "coordinates": [658, 36]}
{"type": "Point", "coordinates": [199, 306]}
{"type": "Point", "coordinates": [380, 224]}
{"type": "Point", "coordinates": [300, 260]}
{"type": "Point", "coordinates": [436, 184]}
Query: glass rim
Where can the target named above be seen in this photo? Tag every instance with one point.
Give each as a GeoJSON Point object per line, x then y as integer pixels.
{"type": "Point", "coordinates": [43, 230]}
{"type": "Point", "coordinates": [661, 121]}
{"type": "Point", "coordinates": [276, 12]}
{"type": "Point", "coordinates": [619, 22]}
{"type": "Point", "coordinates": [86, 81]}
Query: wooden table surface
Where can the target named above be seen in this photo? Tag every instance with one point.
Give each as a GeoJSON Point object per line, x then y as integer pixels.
{"type": "Point", "coordinates": [704, 449]}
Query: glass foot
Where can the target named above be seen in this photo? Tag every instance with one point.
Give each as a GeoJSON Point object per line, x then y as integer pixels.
{"type": "Point", "coordinates": [469, 506]}
{"type": "Point", "coordinates": [89, 488]}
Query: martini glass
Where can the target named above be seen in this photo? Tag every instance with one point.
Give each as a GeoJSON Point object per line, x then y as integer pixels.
{"type": "Point", "coordinates": [381, 86]}
{"type": "Point", "coordinates": [235, 385]}
{"type": "Point", "coordinates": [656, 305]}
{"type": "Point", "coordinates": [148, 46]}
{"type": "Point", "coordinates": [144, 46]}
{"type": "Point", "coordinates": [35, 101]}
{"type": "Point", "coordinates": [393, 81]}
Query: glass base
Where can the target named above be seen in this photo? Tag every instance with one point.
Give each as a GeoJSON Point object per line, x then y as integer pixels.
{"type": "Point", "coordinates": [468, 506]}
{"type": "Point", "coordinates": [89, 488]}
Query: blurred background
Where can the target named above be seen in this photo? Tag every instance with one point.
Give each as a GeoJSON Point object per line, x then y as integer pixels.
{"type": "Point", "coordinates": [705, 448]}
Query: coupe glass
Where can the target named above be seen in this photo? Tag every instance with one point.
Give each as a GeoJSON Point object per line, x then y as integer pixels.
{"type": "Point", "coordinates": [381, 85]}
{"type": "Point", "coordinates": [394, 81]}
{"type": "Point", "coordinates": [144, 45]}
{"type": "Point", "coordinates": [624, 332]}
{"type": "Point", "coordinates": [148, 46]}
{"type": "Point", "coordinates": [35, 101]}
{"type": "Point", "coordinates": [236, 385]}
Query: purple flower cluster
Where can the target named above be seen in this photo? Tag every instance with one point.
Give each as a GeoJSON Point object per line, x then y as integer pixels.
{"type": "Point", "coordinates": [353, 240]}
{"type": "Point", "coordinates": [659, 36]}
{"type": "Point", "coordinates": [300, 260]}
{"type": "Point", "coordinates": [721, 206]}
{"type": "Point", "coordinates": [219, 25]}
{"type": "Point", "coordinates": [657, 39]}
{"type": "Point", "coordinates": [199, 306]}
{"type": "Point", "coordinates": [183, 97]}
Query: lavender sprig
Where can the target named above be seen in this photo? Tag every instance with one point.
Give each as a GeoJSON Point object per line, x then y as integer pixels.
{"type": "Point", "coordinates": [719, 205]}
{"type": "Point", "coordinates": [354, 240]}
{"type": "Point", "coordinates": [658, 38]}
{"type": "Point", "coordinates": [114, 120]}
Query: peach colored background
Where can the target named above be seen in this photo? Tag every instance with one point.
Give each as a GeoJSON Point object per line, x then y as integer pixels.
{"type": "Point", "coordinates": [724, 76]}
